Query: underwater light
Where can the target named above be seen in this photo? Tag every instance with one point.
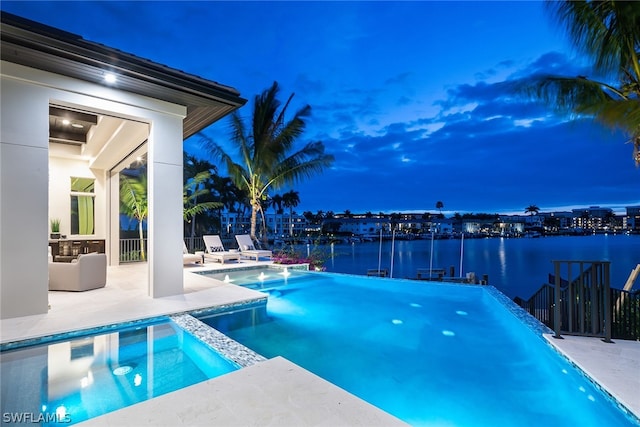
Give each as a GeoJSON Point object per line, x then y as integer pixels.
{"type": "Point", "coordinates": [397, 322]}
{"type": "Point", "coordinates": [122, 370]}
{"type": "Point", "coordinates": [227, 279]}
{"type": "Point", "coordinates": [448, 333]}
{"type": "Point", "coordinates": [61, 412]}
{"type": "Point", "coordinates": [461, 313]}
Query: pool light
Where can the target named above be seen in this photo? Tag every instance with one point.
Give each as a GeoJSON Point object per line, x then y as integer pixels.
{"type": "Point", "coordinates": [61, 412]}
{"type": "Point", "coordinates": [227, 279]}
{"type": "Point", "coordinates": [122, 370]}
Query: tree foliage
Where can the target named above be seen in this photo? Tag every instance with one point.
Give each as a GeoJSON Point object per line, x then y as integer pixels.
{"type": "Point", "coordinates": [266, 151]}
{"type": "Point", "coordinates": [608, 33]}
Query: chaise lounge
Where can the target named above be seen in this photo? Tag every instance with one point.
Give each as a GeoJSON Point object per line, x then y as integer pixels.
{"type": "Point", "coordinates": [188, 258]}
{"type": "Point", "coordinates": [88, 272]}
{"type": "Point", "coordinates": [247, 248]}
{"type": "Point", "coordinates": [214, 250]}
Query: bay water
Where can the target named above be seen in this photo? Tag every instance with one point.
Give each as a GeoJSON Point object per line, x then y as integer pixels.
{"type": "Point", "coordinates": [516, 266]}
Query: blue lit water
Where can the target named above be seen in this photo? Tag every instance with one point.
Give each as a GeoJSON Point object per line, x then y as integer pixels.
{"type": "Point", "coordinates": [428, 354]}
{"type": "Point", "coordinates": [74, 380]}
{"type": "Point", "coordinates": [518, 267]}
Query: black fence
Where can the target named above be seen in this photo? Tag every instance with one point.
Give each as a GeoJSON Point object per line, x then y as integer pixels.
{"type": "Point", "coordinates": [586, 305]}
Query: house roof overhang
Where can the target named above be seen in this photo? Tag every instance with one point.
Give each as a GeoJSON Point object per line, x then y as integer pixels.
{"type": "Point", "coordinates": [39, 46]}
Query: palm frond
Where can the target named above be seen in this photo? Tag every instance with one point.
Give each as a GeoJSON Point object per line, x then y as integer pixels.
{"type": "Point", "coordinates": [200, 208]}
{"type": "Point", "coordinates": [607, 31]}
{"type": "Point", "coordinates": [304, 163]}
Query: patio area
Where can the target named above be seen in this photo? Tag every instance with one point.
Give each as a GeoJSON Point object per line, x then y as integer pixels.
{"type": "Point", "coordinates": [272, 392]}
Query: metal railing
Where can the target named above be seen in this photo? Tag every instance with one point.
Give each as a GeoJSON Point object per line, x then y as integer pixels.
{"type": "Point", "coordinates": [625, 312]}
{"type": "Point", "coordinates": [540, 305]}
{"type": "Point", "coordinates": [587, 305]}
{"type": "Point", "coordinates": [130, 250]}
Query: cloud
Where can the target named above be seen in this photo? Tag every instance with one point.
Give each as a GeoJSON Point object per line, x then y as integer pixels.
{"type": "Point", "coordinates": [501, 146]}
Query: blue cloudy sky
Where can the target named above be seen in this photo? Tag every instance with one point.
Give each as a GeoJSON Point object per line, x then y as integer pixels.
{"type": "Point", "coordinates": [412, 98]}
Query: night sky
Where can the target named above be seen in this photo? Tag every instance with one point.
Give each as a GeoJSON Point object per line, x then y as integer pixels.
{"type": "Point", "coordinates": [413, 99]}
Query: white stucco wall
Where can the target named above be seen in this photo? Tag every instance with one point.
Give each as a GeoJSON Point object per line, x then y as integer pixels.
{"type": "Point", "coordinates": [164, 162]}
{"type": "Point", "coordinates": [24, 142]}
{"type": "Point", "coordinates": [24, 182]}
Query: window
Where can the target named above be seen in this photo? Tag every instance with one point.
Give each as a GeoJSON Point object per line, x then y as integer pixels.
{"type": "Point", "coordinates": [82, 205]}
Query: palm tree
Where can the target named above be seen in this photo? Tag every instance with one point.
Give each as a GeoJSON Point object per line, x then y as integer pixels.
{"type": "Point", "coordinates": [192, 191]}
{"type": "Point", "coordinates": [133, 203]}
{"type": "Point", "coordinates": [267, 159]}
{"type": "Point", "coordinates": [290, 200]}
{"type": "Point", "coordinates": [197, 177]}
{"type": "Point", "coordinates": [609, 33]}
{"type": "Point", "coordinates": [532, 210]}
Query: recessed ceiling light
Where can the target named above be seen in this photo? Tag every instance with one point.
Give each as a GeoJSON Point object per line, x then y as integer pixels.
{"type": "Point", "coordinates": [65, 122]}
{"type": "Point", "coordinates": [77, 125]}
{"type": "Point", "coordinates": [110, 78]}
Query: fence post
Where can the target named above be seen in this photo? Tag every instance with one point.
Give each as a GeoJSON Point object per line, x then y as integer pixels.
{"type": "Point", "coordinates": [556, 309]}
{"type": "Point", "coordinates": [607, 304]}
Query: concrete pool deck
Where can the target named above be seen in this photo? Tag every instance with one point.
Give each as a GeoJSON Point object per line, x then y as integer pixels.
{"type": "Point", "coordinates": [275, 392]}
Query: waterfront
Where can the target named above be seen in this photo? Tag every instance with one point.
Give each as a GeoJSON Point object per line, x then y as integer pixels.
{"type": "Point", "coordinates": [516, 266]}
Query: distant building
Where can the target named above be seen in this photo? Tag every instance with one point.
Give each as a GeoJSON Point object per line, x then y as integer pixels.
{"type": "Point", "coordinates": [593, 217]}
{"type": "Point", "coordinates": [359, 226]}
{"type": "Point", "coordinates": [559, 220]}
{"type": "Point", "coordinates": [632, 220]}
{"type": "Point", "coordinates": [277, 224]}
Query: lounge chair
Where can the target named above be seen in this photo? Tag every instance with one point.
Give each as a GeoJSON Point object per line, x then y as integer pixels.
{"type": "Point", "coordinates": [188, 258]}
{"type": "Point", "coordinates": [214, 250]}
{"type": "Point", "coordinates": [247, 248]}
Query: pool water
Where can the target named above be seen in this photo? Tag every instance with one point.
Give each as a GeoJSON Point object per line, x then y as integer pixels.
{"type": "Point", "coordinates": [66, 382]}
{"type": "Point", "coordinates": [430, 354]}
{"type": "Point", "coordinates": [260, 278]}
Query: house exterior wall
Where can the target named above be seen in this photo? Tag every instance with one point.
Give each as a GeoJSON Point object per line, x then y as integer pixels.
{"type": "Point", "coordinates": [24, 182]}
{"type": "Point", "coordinates": [24, 157]}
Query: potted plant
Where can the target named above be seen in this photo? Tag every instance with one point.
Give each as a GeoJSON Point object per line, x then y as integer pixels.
{"type": "Point", "coordinates": [55, 228]}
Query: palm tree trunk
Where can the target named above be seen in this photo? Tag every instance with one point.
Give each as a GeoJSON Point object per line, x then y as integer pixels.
{"type": "Point", "coordinates": [193, 224]}
{"type": "Point", "coordinates": [141, 234]}
{"type": "Point", "coordinates": [254, 220]}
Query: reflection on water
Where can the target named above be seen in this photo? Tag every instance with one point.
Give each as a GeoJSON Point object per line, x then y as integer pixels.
{"type": "Point", "coordinates": [518, 267]}
{"type": "Point", "coordinates": [503, 258]}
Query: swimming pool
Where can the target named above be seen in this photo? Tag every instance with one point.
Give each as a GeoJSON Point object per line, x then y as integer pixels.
{"type": "Point", "coordinates": [430, 354]}
{"type": "Point", "coordinates": [259, 278]}
{"type": "Point", "coordinates": [66, 381]}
